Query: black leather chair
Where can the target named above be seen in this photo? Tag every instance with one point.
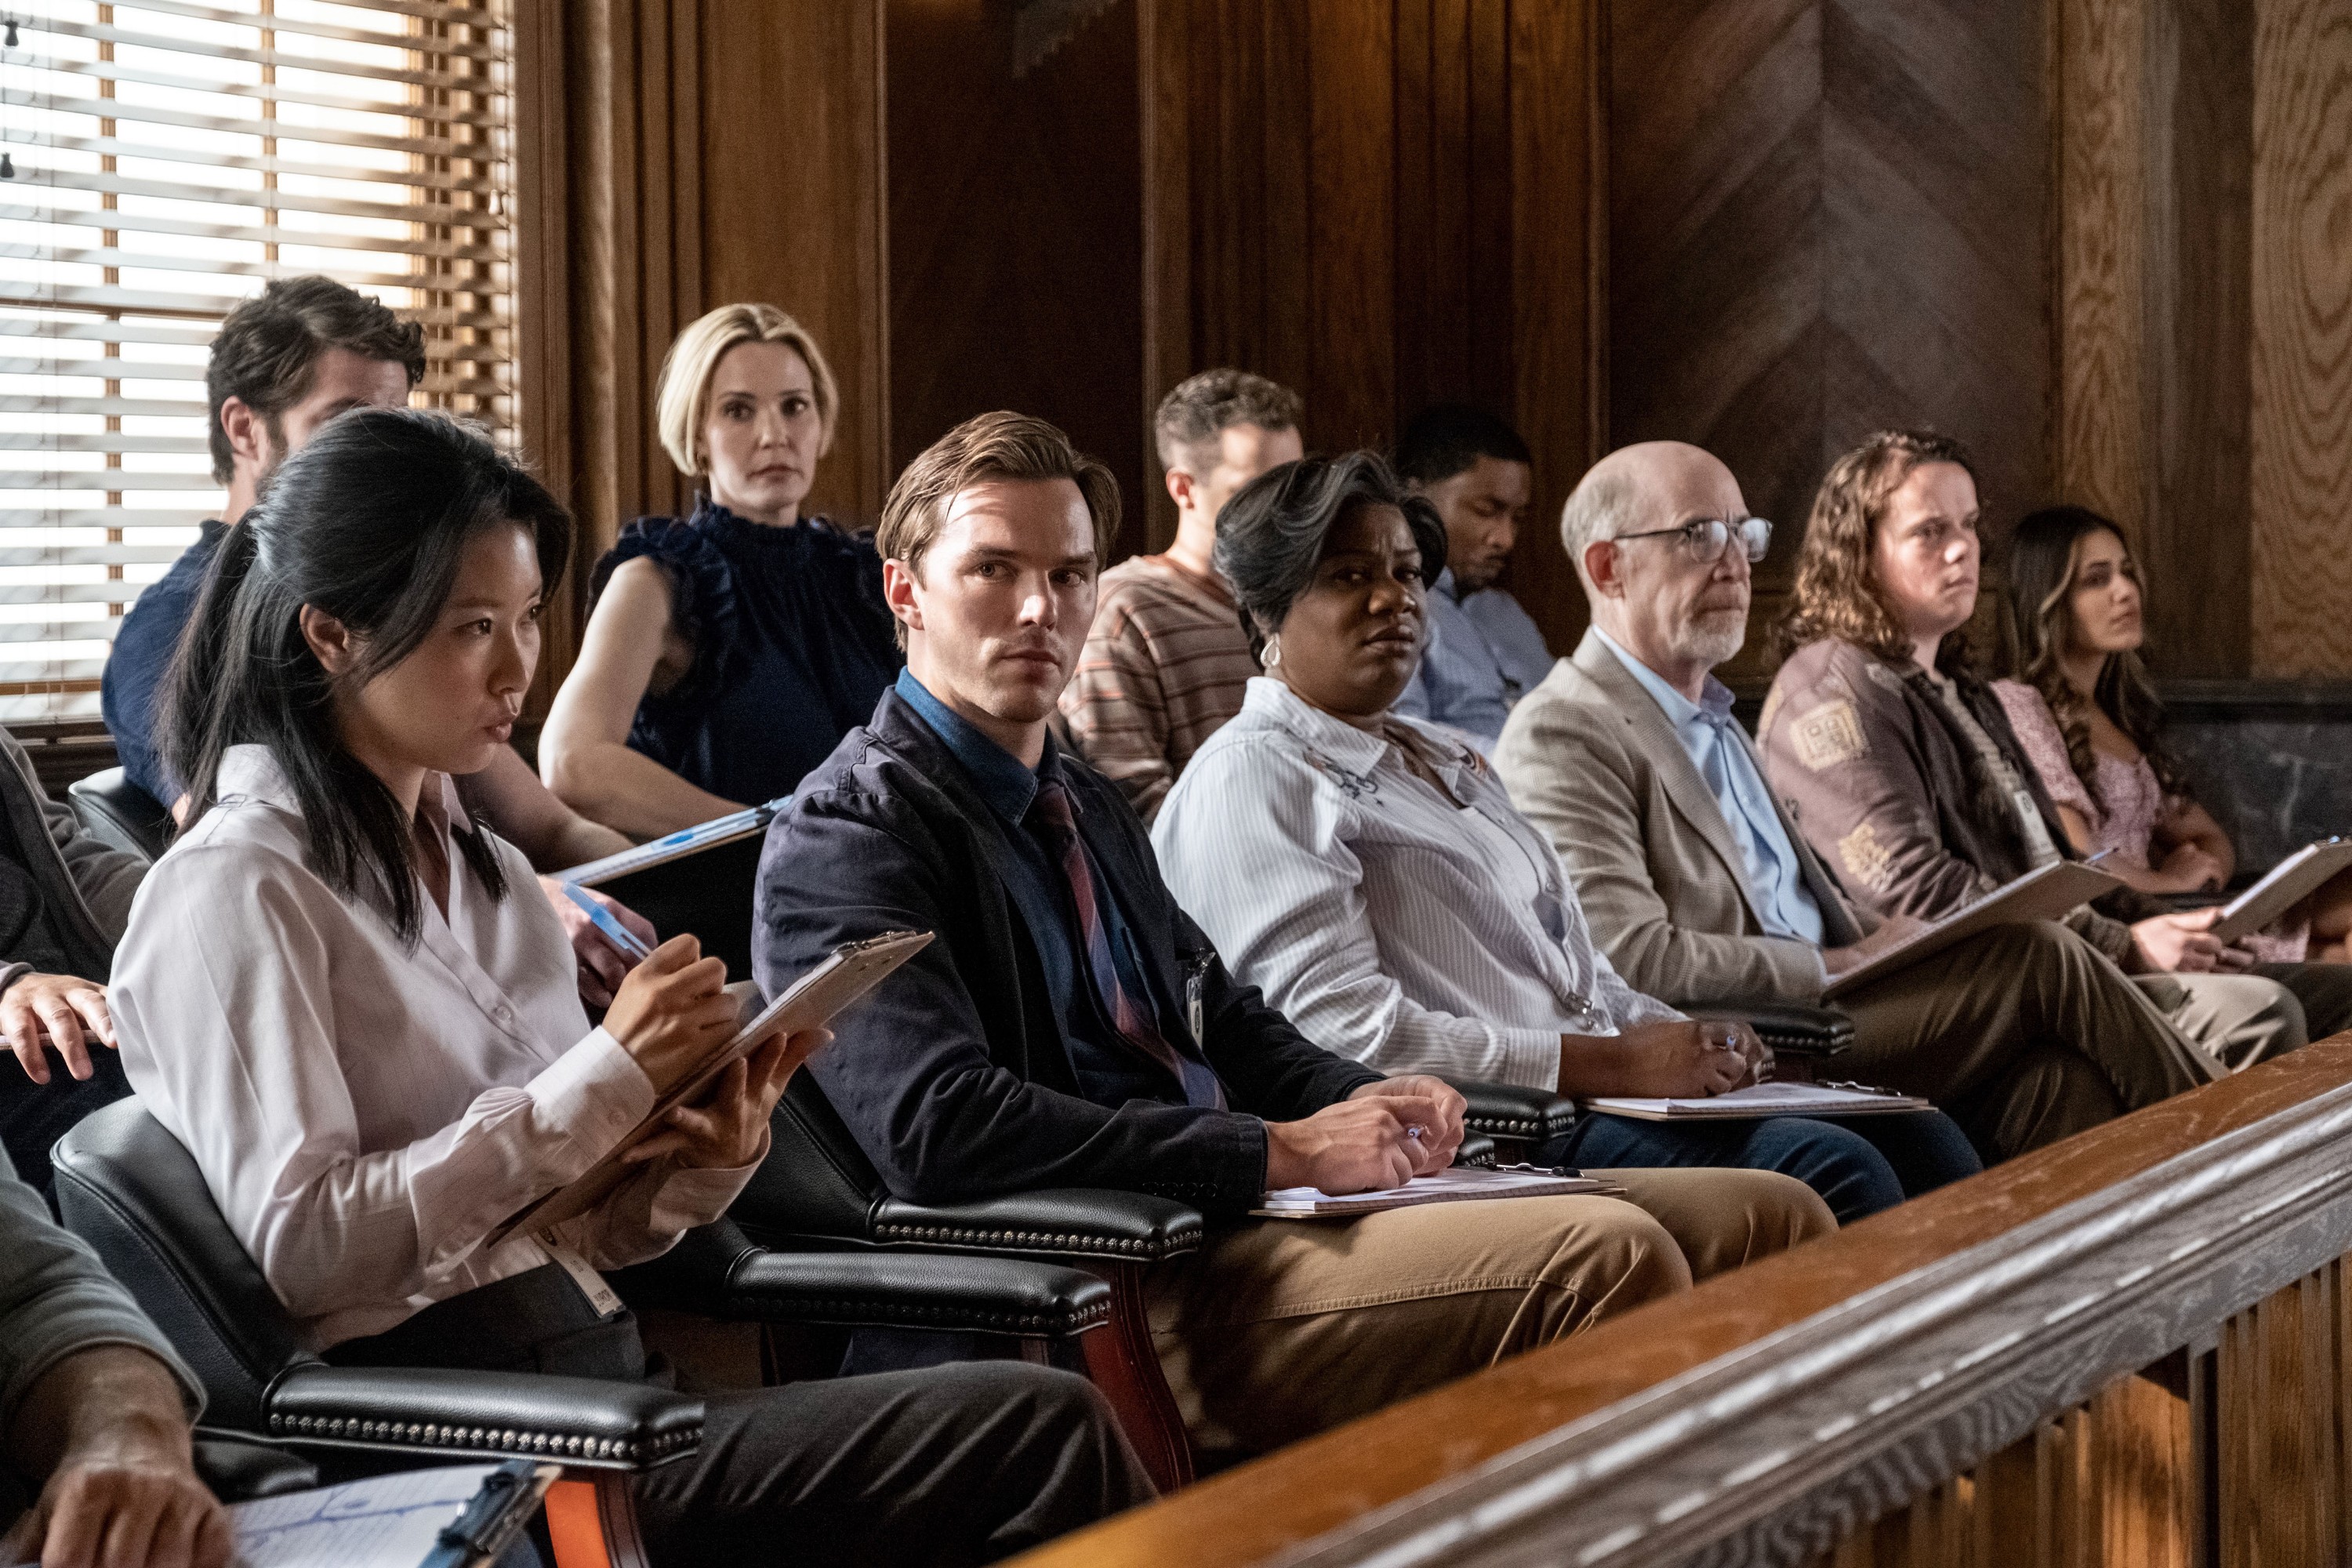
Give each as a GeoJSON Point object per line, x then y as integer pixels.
{"type": "Point", "coordinates": [117, 812]}
{"type": "Point", "coordinates": [818, 1184]}
{"type": "Point", "coordinates": [1514, 1125]}
{"type": "Point", "coordinates": [1804, 1039]}
{"type": "Point", "coordinates": [128, 1187]}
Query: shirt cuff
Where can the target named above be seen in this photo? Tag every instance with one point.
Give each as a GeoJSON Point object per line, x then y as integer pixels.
{"type": "Point", "coordinates": [698, 1194]}
{"type": "Point", "coordinates": [594, 1093]}
{"type": "Point", "coordinates": [1531, 1058]}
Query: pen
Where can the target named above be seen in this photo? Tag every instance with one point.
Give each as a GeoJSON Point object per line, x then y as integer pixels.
{"type": "Point", "coordinates": [604, 921]}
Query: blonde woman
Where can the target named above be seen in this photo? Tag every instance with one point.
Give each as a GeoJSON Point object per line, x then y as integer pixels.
{"type": "Point", "coordinates": [729, 650]}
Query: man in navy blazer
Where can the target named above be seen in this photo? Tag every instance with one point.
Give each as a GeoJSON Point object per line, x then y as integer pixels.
{"type": "Point", "coordinates": [1071, 1027]}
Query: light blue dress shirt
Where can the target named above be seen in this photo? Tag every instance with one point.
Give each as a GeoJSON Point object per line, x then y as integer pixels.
{"type": "Point", "coordinates": [1712, 738]}
{"type": "Point", "coordinates": [1483, 655]}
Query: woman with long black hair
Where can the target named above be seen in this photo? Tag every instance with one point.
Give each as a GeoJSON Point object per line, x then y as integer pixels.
{"type": "Point", "coordinates": [375, 1050]}
{"type": "Point", "coordinates": [2088, 717]}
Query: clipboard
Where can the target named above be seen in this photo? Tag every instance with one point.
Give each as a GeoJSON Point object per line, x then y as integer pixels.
{"type": "Point", "coordinates": [452, 1516]}
{"type": "Point", "coordinates": [818, 996]}
{"type": "Point", "coordinates": [677, 846]}
{"type": "Point", "coordinates": [2045, 893]}
{"type": "Point", "coordinates": [2288, 883]}
{"type": "Point", "coordinates": [703, 878]}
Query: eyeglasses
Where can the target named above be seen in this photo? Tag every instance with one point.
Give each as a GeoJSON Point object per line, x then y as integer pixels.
{"type": "Point", "coordinates": [1704, 539]}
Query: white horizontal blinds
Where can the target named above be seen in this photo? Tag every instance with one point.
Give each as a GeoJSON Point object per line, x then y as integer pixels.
{"type": "Point", "coordinates": [167, 159]}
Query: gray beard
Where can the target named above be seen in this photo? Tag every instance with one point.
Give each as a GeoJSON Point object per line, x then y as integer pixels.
{"type": "Point", "coordinates": [1711, 645]}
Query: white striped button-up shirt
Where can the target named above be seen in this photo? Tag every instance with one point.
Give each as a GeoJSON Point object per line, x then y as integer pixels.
{"type": "Point", "coordinates": [1393, 924]}
{"type": "Point", "coordinates": [365, 1112]}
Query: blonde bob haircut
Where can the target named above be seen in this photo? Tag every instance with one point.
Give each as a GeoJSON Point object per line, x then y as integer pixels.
{"type": "Point", "coordinates": [682, 396]}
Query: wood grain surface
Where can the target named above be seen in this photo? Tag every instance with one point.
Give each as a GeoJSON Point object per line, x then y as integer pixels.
{"type": "Point", "coordinates": [1827, 219]}
{"type": "Point", "coordinates": [1256, 1513]}
{"type": "Point", "coordinates": [791, 206]}
{"type": "Point", "coordinates": [2102, 308]}
{"type": "Point", "coordinates": [1016, 231]}
{"type": "Point", "coordinates": [1385, 206]}
{"type": "Point", "coordinates": [2302, 409]}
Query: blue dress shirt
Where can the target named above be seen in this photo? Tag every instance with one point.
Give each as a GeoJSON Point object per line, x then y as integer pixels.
{"type": "Point", "coordinates": [1717, 748]}
{"type": "Point", "coordinates": [1485, 654]}
{"type": "Point", "coordinates": [1108, 1072]}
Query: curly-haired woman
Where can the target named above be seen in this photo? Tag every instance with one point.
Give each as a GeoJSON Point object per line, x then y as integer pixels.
{"type": "Point", "coordinates": [2090, 721]}
{"type": "Point", "coordinates": [1900, 767]}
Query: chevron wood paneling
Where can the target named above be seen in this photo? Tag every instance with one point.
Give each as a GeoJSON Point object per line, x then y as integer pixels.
{"type": "Point", "coordinates": [1827, 218]}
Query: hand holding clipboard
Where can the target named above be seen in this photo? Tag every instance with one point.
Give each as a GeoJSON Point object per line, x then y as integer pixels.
{"type": "Point", "coordinates": [696, 1050]}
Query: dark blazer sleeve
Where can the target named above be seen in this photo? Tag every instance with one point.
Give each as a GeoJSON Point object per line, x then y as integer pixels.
{"type": "Point", "coordinates": [910, 1069]}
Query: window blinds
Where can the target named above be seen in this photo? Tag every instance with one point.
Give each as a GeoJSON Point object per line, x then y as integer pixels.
{"type": "Point", "coordinates": [166, 159]}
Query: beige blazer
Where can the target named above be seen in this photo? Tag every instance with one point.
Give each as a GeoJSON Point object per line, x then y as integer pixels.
{"type": "Point", "coordinates": [1590, 758]}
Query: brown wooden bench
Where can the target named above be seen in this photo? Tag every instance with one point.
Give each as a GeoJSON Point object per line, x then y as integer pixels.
{"type": "Point", "coordinates": [2130, 1348]}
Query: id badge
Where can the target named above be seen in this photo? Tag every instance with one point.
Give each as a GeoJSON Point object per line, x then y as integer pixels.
{"type": "Point", "coordinates": [591, 1284]}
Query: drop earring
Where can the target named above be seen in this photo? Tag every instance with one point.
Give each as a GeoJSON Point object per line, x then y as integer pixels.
{"type": "Point", "coordinates": [1273, 654]}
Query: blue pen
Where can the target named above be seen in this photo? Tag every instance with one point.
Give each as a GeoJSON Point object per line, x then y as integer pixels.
{"type": "Point", "coordinates": [604, 921]}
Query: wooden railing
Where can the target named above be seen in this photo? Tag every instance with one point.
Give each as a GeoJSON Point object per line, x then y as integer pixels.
{"type": "Point", "coordinates": [2131, 1348]}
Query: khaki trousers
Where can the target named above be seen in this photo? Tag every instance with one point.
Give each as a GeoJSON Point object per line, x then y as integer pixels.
{"type": "Point", "coordinates": [2027, 1034]}
{"type": "Point", "coordinates": [1275, 1330]}
{"type": "Point", "coordinates": [2235, 1019]}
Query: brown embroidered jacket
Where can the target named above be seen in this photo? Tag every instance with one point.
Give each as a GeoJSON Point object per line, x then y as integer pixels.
{"type": "Point", "coordinates": [1885, 782]}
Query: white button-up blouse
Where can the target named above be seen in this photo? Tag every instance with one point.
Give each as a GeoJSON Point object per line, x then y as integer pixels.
{"type": "Point", "coordinates": [1388, 922]}
{"type": "Point", "coordinates": [366, 1113]}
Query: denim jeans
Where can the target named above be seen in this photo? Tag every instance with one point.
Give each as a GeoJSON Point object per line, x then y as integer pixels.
{"type": "Point", "coordinates": [1859, 1165]}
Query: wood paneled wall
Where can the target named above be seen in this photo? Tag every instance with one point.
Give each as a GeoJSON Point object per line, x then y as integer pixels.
{"type": "Point", "coordinates": [2154, 110]}
{"type": "Point", "coordinates": [2102, 240]}
{"type": "Point", "coordinates": [1385, 205]}
{"type": "Point", "coordinates": [676, 156]}
{"type": "Point", "coordinates": [2204, 303]}
{"type": "Point", "coordinates": [2302, 409]}
{"type": "Point", "coordinates": [1016, 231]}
{"type": "Point", "coordinates": [1825, 219]}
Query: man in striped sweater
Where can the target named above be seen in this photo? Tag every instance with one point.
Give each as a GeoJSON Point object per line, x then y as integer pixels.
{"type": "Point", "coordinates": [1166, 660]}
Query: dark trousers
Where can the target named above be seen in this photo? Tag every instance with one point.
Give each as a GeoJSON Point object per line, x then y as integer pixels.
{"type": "Point", "coordinates": [1860, 1166]}
{"type": "Point", "coordinates": [2323, 989]}
{"type": "Point", "coordinates": [950, 1465]}
{"type": "Point", "coordinates": [33, 1116]}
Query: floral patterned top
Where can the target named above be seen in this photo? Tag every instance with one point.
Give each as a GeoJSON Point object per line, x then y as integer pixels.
{"type": "Point", "coordinates": [2124, 809]}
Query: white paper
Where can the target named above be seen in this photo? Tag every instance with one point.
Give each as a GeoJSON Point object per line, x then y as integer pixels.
{"type": "Point", "coordinates": [384, 1522]}
{"type": "Point", "coordinates": [1760, 1100]}
{"type": "Point", "coordinates": [1447, 1187]}
{"type": "Point", "coordinates": [2288, 883]}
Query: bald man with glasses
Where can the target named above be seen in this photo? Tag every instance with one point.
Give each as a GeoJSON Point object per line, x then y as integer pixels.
{"type": "Point", "coordinates": [1699, 887]}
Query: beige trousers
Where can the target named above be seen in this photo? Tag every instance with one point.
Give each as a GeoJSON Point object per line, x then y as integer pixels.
{"type": "Point", "coordinates": [2236, 1019]}
{"type": "Point", "coordinates": [1278, 1328]}
{"type": "Point", "coordinates": [2027, 1034]}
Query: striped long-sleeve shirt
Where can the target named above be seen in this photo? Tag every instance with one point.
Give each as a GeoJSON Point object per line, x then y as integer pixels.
{"type": "Point", "coordinates": [1164, 667]}
{"type": "Point", "coordinates": [1414, 927]}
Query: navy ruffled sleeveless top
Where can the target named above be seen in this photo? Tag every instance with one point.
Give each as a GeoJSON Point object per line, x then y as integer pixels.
{"type": "Point", "coordinates": [793, 646]}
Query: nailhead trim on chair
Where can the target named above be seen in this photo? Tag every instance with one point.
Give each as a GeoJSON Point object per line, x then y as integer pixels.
{"type": "Point", "coordinates": [496, 1439]}
{"type": "Point", "coordinates": [886, 1311]}
{"type": "Point", "coordinates": [1033, 1240]}
{"type": "Point", "coordinates": [1504, 1126]}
